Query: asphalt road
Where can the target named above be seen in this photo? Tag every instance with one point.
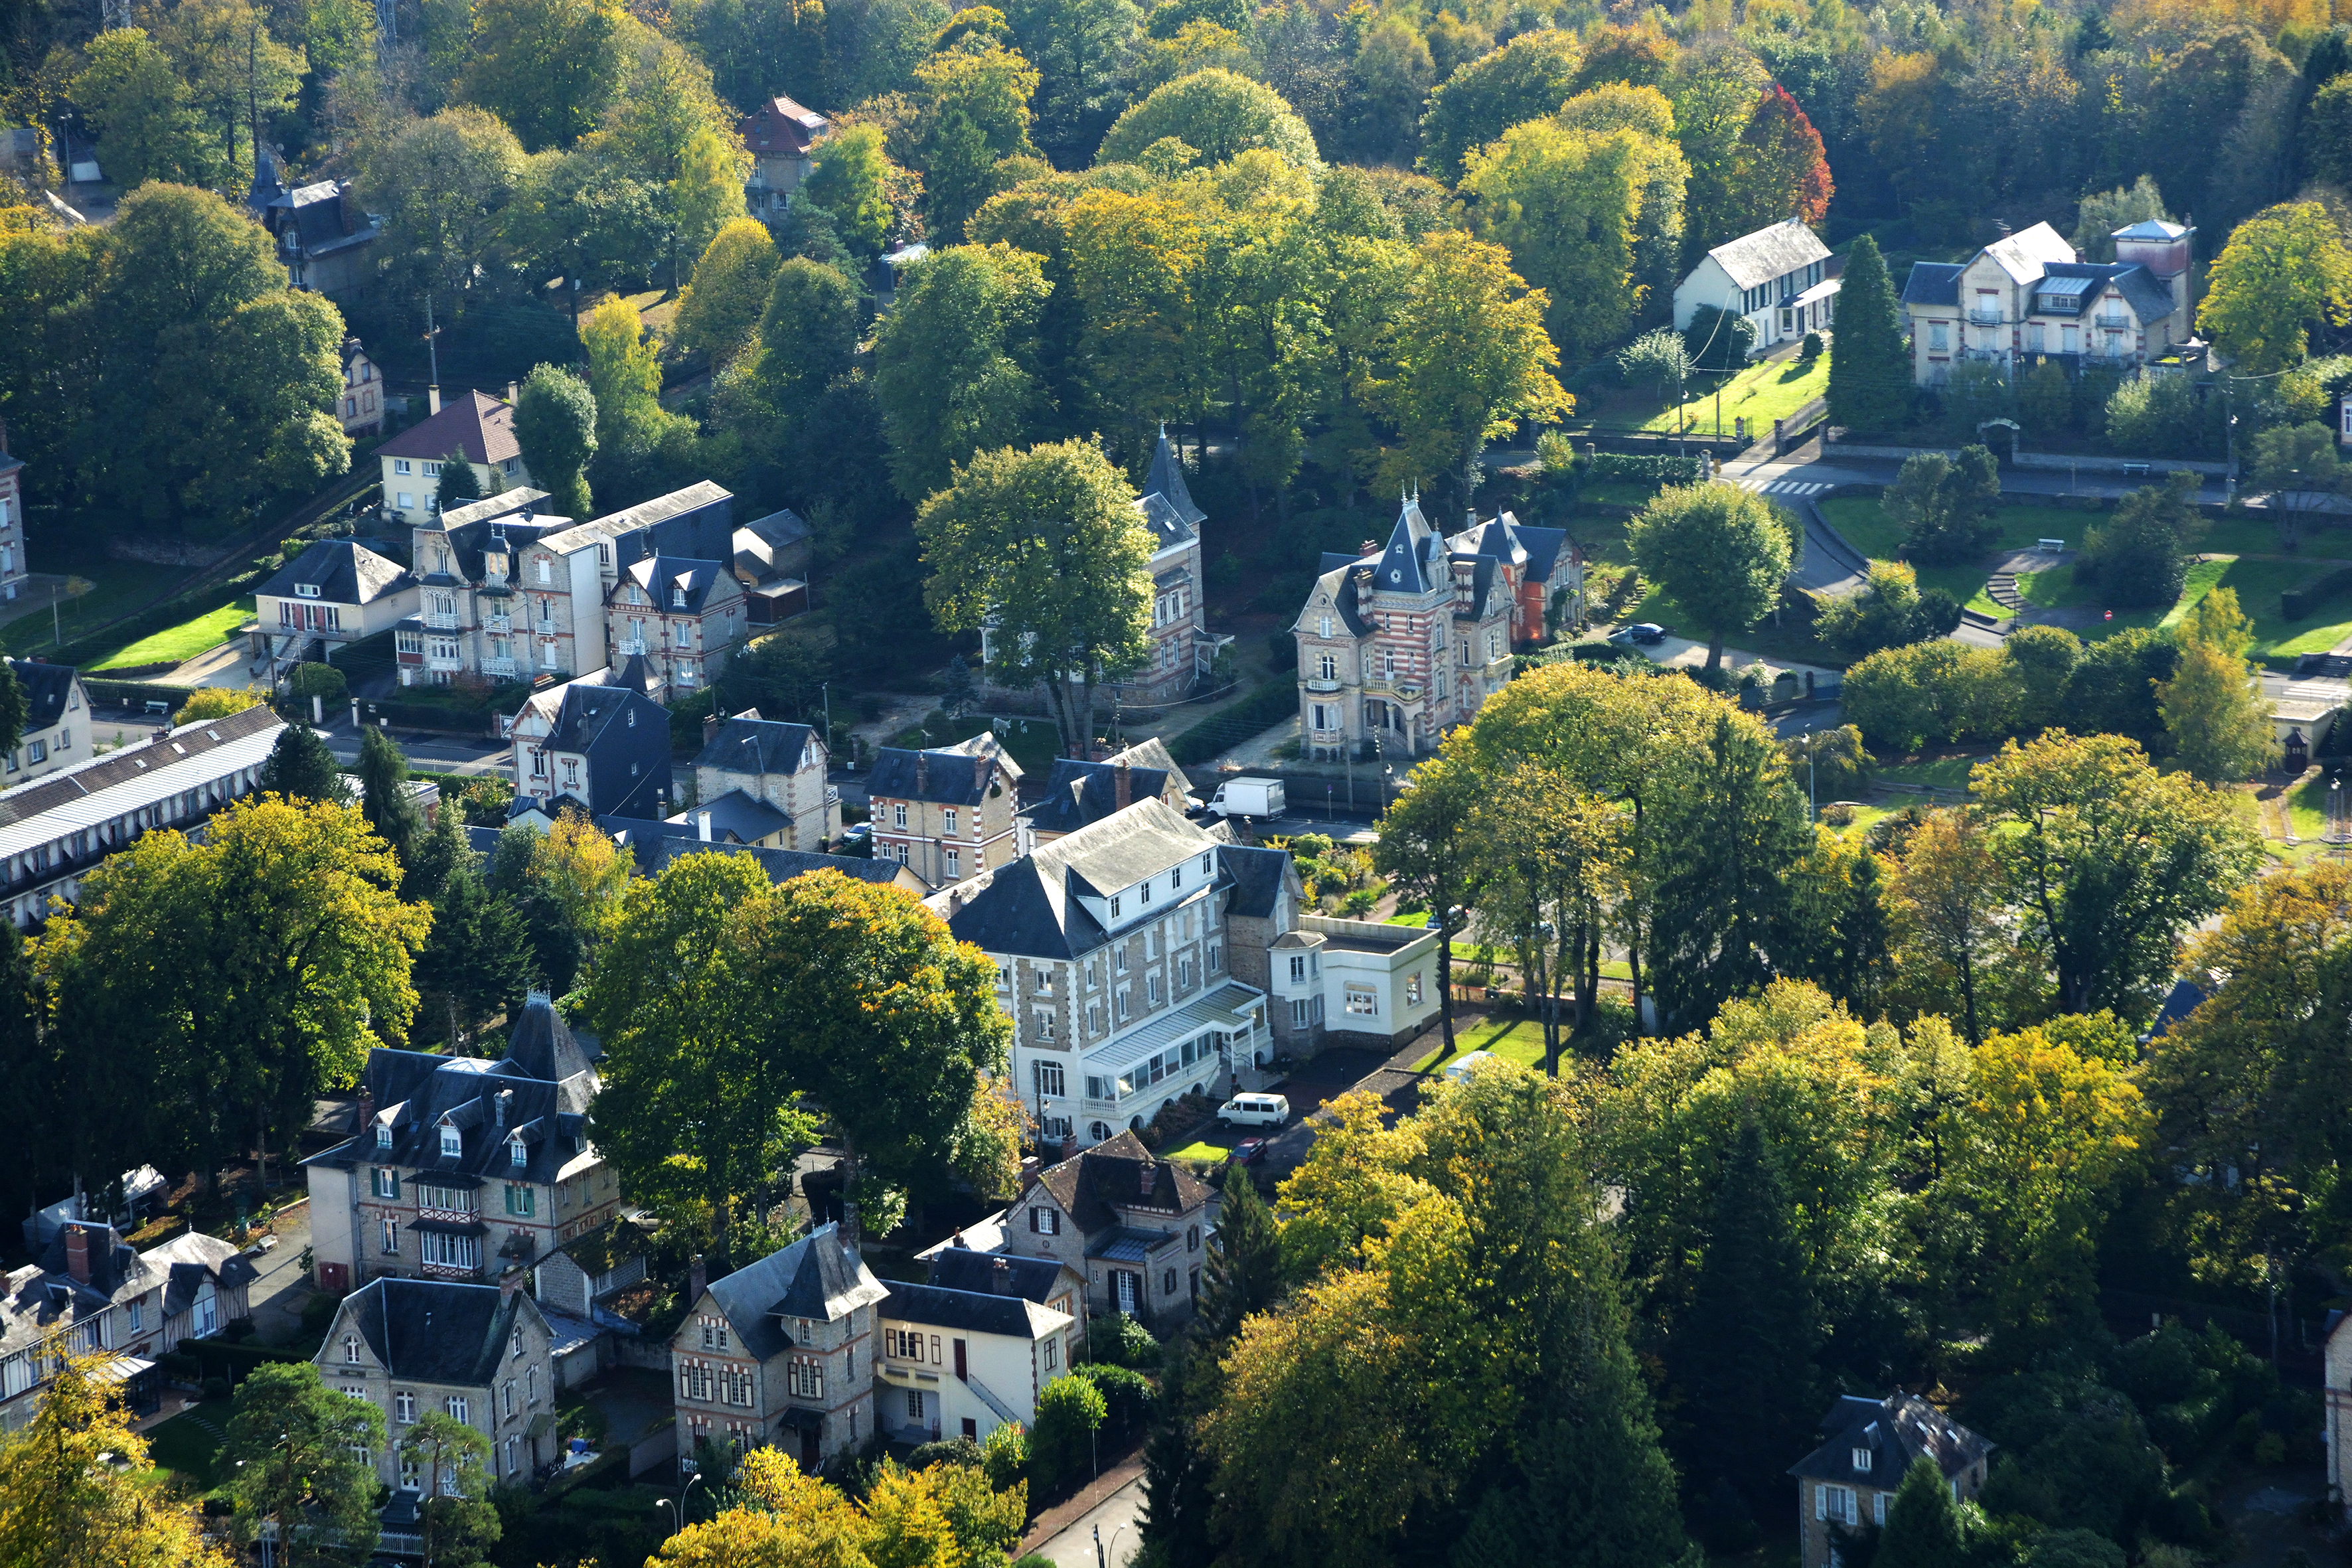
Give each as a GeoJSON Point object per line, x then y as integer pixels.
{"type": "Point", "coordinates": [429, 753]}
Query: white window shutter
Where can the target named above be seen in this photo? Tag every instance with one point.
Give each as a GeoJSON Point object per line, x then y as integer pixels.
{"type": "Point", "coordinates": [1820, 1500]}
{"type": "Point", "coordinates": [1878, 1509]}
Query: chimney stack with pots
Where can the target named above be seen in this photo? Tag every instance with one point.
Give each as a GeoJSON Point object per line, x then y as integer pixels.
{"type": "Point", "coordinates": [78, 1249]}
{"type": "Point", "coordinates": [698, 1279]}
{"type": "Point", "coordinates": [1000, 1276]}
{"type": "Point", "coordinates": [1123, 785]}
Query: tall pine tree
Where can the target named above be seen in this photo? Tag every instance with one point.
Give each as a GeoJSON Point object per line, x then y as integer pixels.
{"type": "Point", "coordinates": [385, 799]}
{"type": "Point", "coordinates": [1925, 1527]}
{"type": "Point", "coordinates": [1870, 368]}
{"type": "Point", "coordinates": [1742, 1358]}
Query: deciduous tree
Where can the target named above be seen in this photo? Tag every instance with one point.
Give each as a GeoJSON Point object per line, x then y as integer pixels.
{"type": "Point", "coordinates": [1425, 852]}
{"type": "Point", "coordinates": [972, 113]}
{"type": "Point", "coordinates": [549, 69]}
{"type": "Point", "coordinates": [1526, 79]}
{"type": "Point", "coordinates": [955, 362]}
{"type": "Point", "coordinates": [555, 426]}
{"type": "Point", "coordinates": [1044, 548]}
{"type": "Point", "coordinates": [2109, 860]}
{"type": "Point", "coordinates": [2212, 708]}
{"type": "Point", "coordinates": [1722, 551]}
{"type": "Point", "coordinates": [1780, 169]}
{"type": "Point", "coordinates": [72, 1487]}
{"type": "Point", "coordinates": [850, 180]}
{"type": "Point", "coordinates": [1955, 943]}
{"type": "Point", "coordinates": [443, 186]}
{"type": "Point", "coordinates": [453, 1460]}
{"type": "Point", "coordinates": [139, 106]}
{"type": "Point", "coordinates": [2282, 270]}
{"type": "Point", "coordinates": [720, 311]}
{"type": "Point", "coordinates": [1217, 114]}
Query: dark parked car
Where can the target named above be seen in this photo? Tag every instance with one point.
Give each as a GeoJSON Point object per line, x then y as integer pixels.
{"type": "Point", "coordinates": [1248, 1152]}
{"type": "Point", "coordinates": [1643, 632]}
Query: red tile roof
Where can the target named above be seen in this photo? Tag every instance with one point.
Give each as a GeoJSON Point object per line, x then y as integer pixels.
{"type": "Point", "coordinates": [477, 424]}
{"type": "Point", "coordinates": [782, 126]}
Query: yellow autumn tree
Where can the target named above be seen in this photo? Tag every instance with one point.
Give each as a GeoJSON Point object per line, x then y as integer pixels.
{"type": "Point", "coordinates": [73, 1493]}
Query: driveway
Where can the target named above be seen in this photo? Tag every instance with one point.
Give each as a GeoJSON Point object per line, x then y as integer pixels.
{"type": "Point", "coordinates": [277, 1296]}
{"type": "Point", "coordinates": [1115, 1521]}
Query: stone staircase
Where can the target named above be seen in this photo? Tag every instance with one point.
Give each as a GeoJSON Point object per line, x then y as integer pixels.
{"type": "Point", "coordinates": [2003, 591]}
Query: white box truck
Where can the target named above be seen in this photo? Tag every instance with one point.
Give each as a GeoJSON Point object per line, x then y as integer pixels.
{"type": "Point", "coordinates": [1246, 797]}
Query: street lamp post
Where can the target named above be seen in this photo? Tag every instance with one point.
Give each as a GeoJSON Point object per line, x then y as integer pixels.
{"type": "Point", "coordinates": [677, 1508]}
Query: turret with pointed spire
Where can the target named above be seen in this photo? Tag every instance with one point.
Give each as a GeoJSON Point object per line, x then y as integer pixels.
{"type": "Point", "coordinates": [1166, 478]}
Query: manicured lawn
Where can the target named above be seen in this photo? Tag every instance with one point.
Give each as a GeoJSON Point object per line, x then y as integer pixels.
{"type": "Point", "coordinates": [1780, 645]}
{"type": "Point", "coordinates": [1420, 919]}
{"type": "Point", "coordinates": [118, 587]}
{"type": "Point", "coordinates": [1514, 1039]}
{"type": "Point", "coordinates": [1202, 1150]}
{"type": "Point", "coordinates": [1945, 772]}
{"type": "Point", "coordinates": [1863, 815]}
{"type": "Point", "coordinates": [1866, 527]}
{"type": "Point", "coordinates": [184, 641]}
{"type": "Point", "coordinates": [1764, 392]}
{"type": "Point", "coordinates": [182, 1445]}
{"type": "Point", "coordinates": [2307, 808]}
{"type": "Point", "coordinates": [1619, 493]}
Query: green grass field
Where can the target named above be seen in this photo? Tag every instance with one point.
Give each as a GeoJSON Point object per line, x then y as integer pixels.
{"type": "Point", "coordinates": [1945, 772]}
{"type": "Point", "coordinates": [119, 588]}
{"type": "Point", "coordinates": [1764, 392]}
{"type": "Point", "coordinates": [1866, 527]}
{"type": "Point", "coordinates": [184, 1446]}
{"type": "Point", "coordinates": [1775, 645]}
{"type": "Point", "coordinates": [1514, 1039]}
{"type": "Point", "coordinates": [184, 641]}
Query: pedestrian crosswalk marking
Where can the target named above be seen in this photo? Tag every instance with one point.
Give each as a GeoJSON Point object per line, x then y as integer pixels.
{"type": "Point", "coordinates": [1770, 486]}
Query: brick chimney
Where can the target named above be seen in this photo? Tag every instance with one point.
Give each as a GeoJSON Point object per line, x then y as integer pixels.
{"type": "Point", "coordinates": [698, 1279]}
{"type": "Point", "coordinates": [78, 1249]}
{"type": "Point", "coordinates": [1122, 786]}
{"type": "Point", "coordinates": [505, 1102]}
{"type": "Point", "coordinates": [922, 772]}
{"type": "Point", "coordinates": [979, 771]}
{"type": "Point", "coordinates": [1149, 1182]}
{"type": "Point", "coordinates": [1000, 1276]}
{"type": "Point", "coordinates": [710, 723]}
{"type": "Point", "coordinates": [366, 1113]}
{"type": "Point", "coordinates": [510, 1282]}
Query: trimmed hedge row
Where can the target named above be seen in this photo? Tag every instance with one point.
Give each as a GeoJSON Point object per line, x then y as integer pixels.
{"type": "Point", "coordinates": [1663, 467]}
{"type": "Point", "coordinates": [131, 693]}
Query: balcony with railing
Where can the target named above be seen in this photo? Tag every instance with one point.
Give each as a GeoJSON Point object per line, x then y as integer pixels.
{"type": "Point", "coordinates": [504, 667]}
{"type": "Point", "coordinates": [499, 622]}
{"type": "Point", "coordinates": [442, 620]}
{"type": "Point", "coordinates": [2114, 323]}
{"type": "Point", "coordinates": [1984, 316]}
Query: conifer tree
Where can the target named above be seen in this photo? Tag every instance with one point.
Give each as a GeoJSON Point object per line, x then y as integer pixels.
{"type": "Point", "coordinates": [1743, 1353]}
{"type": "Point", "coordinates": [1925, 1528]}
{"type": "Point", "coordinates": [1869, 369]}
{"type": "Point", "coordinates": [301, 768]}
{"type": "Point", "coordinates": [384, 800]}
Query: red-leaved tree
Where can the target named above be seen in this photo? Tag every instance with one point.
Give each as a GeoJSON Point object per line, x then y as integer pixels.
{"type": "Point", "coordinates": [1781, 169]}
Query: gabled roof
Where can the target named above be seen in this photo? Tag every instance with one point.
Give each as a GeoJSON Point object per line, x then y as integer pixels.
{"type": "Point", "coordinates": [972, 1311]}
{"type": "Point", "coordinates": [1165, 479]}
{"type": "Point", "coordinates": [995, 1273]}
{"type": "Point", "coordinates": [961, 774]}
{"type": "Point", "coordinates": [1032, 906]}
{"type": "Point", "coordinates": [1078, 792]}
{"type": "Point", "coordinates": [1120, 1173]}
{"type": "Point", "coordinates": [190, 1260]}
{"type": "Point", "coordinates": [341, 572]}
{"type": "Point", "coordinates": [1166, 525]}
{"type": "Point", "coordinates": [748, 744]}
{"type": "Point", "coordinates": [431, 1331]}
{"type": "Point", "coordinates": [1933, 283]}
{"type": "Point", "coordinates": [673, 583]}
{"type": "Point", "coordinates": [2146, 294]}
{"type": "Point", "coordinates": [816, 1277]}
{"type": "Point", "coordinates": [1774, 251]}
{"type": "Point", "coordinates": [743, 818]}
{"type": "Point", "coordinates": [780, 125]}
{"type": "Point", "coordinates": [1151, 753]}
{"type": "Point", "coordinates": [1258, 876]}
{"type": "Point", "coordinates": [760, 541]}
{"type": "Point", "coordinates": [520, 503]}
{"type": "Point", "coordinates": [588, 712]}
{"type": "Point", "coordinates": [46, 686]}
{"type": "Point", "coordinates": [136, 771]}
{"type": "Point", "coordinates": [475, 424]}
{"type": "Point", "coordinates": [1892, 1431]}
{"type": "Point", "coordinates": [2027, 253]}
{"type": "Point", "coordinates": [1504, 538]}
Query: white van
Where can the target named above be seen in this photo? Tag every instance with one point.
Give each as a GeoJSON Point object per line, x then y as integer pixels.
{"type": "Point", "coordinates": [1255, 1111]}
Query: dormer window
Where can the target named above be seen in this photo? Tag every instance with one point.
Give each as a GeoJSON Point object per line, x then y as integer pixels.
{"type": "Point", "coordinates": [383, 1135]}
{"type": "Point", "coordinates": [677, 597]}
{"type": "Point", "coordinates": [1143, 893]}
{"type": "Point", "coordinates": [1176, 878]}
{"type": "Point", "coordinates": [1862, 1461]}
{"type": "Point", "coordinates": [453, 1142]}
{"type": "Point", "coordinates": [306, 590]}
{"type": "Point", "coordinates": [1204, 865]}
{"type": "Point", "coordinates": [1114, 906]}
{"type": "Point", "coordinates": [517, 1154]}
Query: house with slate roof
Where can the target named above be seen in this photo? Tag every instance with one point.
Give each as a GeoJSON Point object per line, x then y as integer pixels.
{"type": "Point", "coordinates": [1782, 277]}
{"type": "Point", "coordinates": [1079, 794]}
{"type": "Point", "coordinates": [684, 616]}
{"type": "Point", "coordinates": [477, 1354]}
{"type": "Point", "coordinates": [324, 235]}
{"type": "Point", "coordinates": [772, 562]}
{"type": "Point", "coordinates": [473, 427]}
{"type": "Point", "coordinates": [2027, 298]}
{"type": "Point", "coordinates": [1131, 1225]}
{"type": "Point", "coordinates": [781, 766]}
{"type": "Point", "coordinates": [780, 1354]}
{"type": "Point", "coordinates": [653, 845]}
{"type": "Point", "coordinates": [457, 1168]}
{"type": "Point", "coordinates": [601, 742]}
{"type": "Point", "coordinates": [57, 721]}
{"type": "Point", "coordinates": [469, 619]}
{"type": "Point", "coordinates": [360, 411]}
{"type": "Point", "coordinates": [946, 812]}
{"type": "Point", "coordinates": [53, 829]}
{"type": "Point", "coordinates": [90, 1292]}
{"type": "Point", "coordinates": [962, 1362]}
{"type": "Point", "coordinates": [1404, 641]}
{"type": "Point", "coordinates": [332, 595]}
{"type": "Point", "coordinates": [1867, 1445]}
{"type": "Point", "coordinates": [782, 137]}
{"type": "Point", "coordinates": [1113, 953]}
